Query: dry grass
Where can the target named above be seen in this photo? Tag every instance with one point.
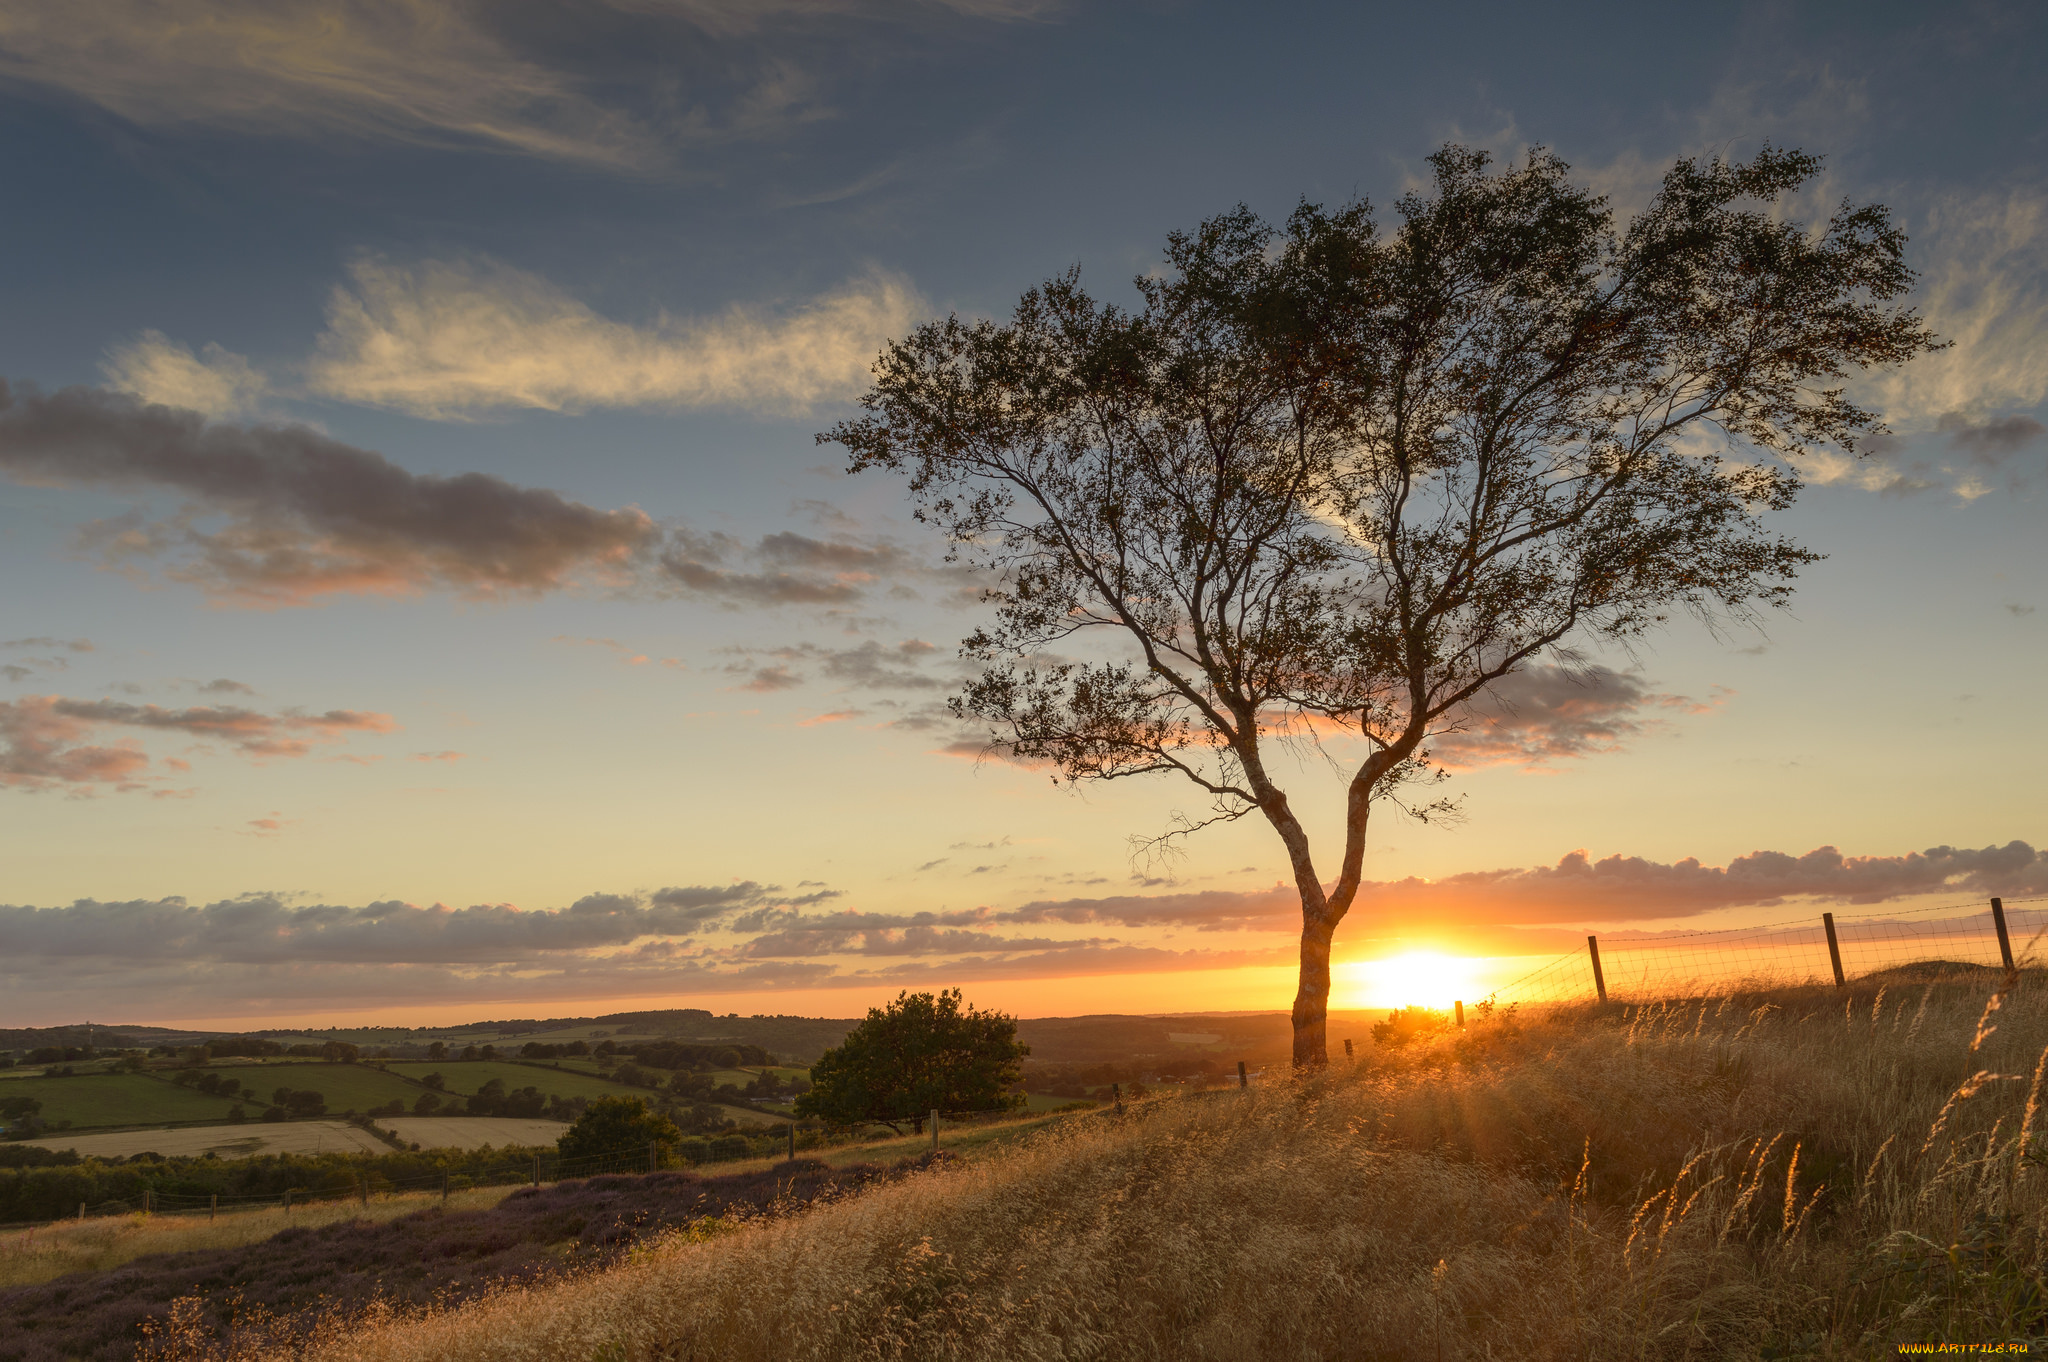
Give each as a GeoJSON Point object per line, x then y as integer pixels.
{"type": "Point", "coordinates": [1780, 1176]}
{"type": "Point", "coordinates": [49, 1251]}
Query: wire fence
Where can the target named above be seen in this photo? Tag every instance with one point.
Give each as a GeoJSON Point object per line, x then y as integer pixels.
{"type": "Point", "coordinates": [1828, 948]}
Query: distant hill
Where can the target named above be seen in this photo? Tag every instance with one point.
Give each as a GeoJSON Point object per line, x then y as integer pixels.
{"type": "Point", "coordinates": [1094, 1039]}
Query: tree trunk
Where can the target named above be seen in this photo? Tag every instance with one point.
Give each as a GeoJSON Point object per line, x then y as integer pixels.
{"type": "Point", "coordinates": [1312, 997]}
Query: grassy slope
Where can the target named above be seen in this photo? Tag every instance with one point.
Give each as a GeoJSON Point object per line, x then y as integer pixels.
{"type": "Point", "coordinates": [1694, 1181]}
{"type": "Point", "coordinates": [118, 1100]}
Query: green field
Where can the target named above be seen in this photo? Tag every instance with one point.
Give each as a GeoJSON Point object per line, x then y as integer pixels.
{"type": "Point", "coordinates": [119, 1100]}
{"type": "Point", "coordinates": [344, 1087]}
{"type": "Point", "coordinates": [466, 1076]}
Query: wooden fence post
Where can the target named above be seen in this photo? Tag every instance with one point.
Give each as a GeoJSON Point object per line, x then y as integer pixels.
{"type": "Point", "coordinates": [1459, 1005]}
{"type": "Point", "coordinates": [1347, 1047]}
{"type": "Point", "coordinates": [536, 1170]}
{"type": "Point", "coordinates": [287, 1201]}
{"type": "Point", "coordinates": [81, 1210]}
{"type": "Point", "coordinates": [650, 1156]}
{"type": "Point", "coordinates": [1827, 920]}
{"type": "Point", "coordinates": [1243, 1079]}
{"type": "Point", "coordinates": [2004, 941]}
{"type": "Point", "coordinates": [213, 1206]}
{"type": "Point", "coordinates": [792, 1141]}
{"type": "Point", "coordinates": [444, 1189]}
{"type": "Point", "coordinates": [1116, 1091]}
{"type": "Point", "coordinates": [1599, 979]}
{"type": "Point", "coordinates": [935, 1130]}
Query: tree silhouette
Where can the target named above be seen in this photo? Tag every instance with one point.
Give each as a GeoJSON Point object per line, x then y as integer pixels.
{"type": "Point", "coordinates": [1328, 484]}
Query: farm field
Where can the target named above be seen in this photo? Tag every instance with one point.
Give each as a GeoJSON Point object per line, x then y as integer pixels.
{"type": "Point", "coordinates": [471, 1132]}
{"type": "Point", "coordinates": [118, 1100]}
{"type": "Point", "coordinates": [464, 1077]}
{"type": "Point", "coordinates": [225, 1141]}
{"type": "Point", "coordinates": [346, 1087]}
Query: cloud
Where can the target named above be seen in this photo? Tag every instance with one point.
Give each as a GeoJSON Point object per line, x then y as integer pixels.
{"type": "Point", "coordinates": [221, 685]}
{"type": "Point", "coordinates": [422, 72]}
{"type": "Point", "coordinates": [836, 716]}
{"type": "Point", "coordinates": [214, 382]}
{"type": "Point", "coordinates": [45, 749]}
{"type": "Point", "coordinates": [777, 569]}
{"type": "Point", "coordinates": [266, 929]}
{"type": "Point", "coordinates": [453, 340]}
{"type": "Point", "coordinates": [1992, 441]}
{"type": "Point", "coordinates": [54, 661]}
{"type": "Point", "coordinates": [1579, 889]}
{"type": "Point", "coordinates": [1544, 714]}
{"type": "Point", "coordinates": [283, 515]}
{"type": "Point", "coordinates": [1275, 909]}
{"type": "Point", "coordinates": [767, 680]}
{"type": "Point", "coordinates": [74, 645]}
{"type": "Point", "coordinates": [48, 739]}
{"type": "Point", "coordinates": [868, 666]}
{"type": "Point", "coordinates": [446, 756]}
{"type": "Point", "coordinates": [1984, 287]}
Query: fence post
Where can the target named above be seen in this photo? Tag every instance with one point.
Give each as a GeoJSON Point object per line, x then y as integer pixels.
{"type": "Point", "coordinates": [287, 1201]}
{"type": "Point", "coordinates": [444, 1189]}
{"type": "Point", "coordinates": [1243, 1080]}
{"type": "Point", "coordinates": [213, 1206]}
{"type": "Point", "coordinates": [792, 1141]}
{"type": "Point", "coordinates": [1827, 920]}
{"type": "Point", "coordinates": [1459, 1005]}
{"type": "Point", "coordinates": [1599, 979]}
{"type": "Point", "coordinates": [363, 1190]}
{"type": "Point", "coordinates": [1116, 1090]}
{"type": "Point", "coordinates": [650, 1156]}
{"type": "Point", "coordinates": [1347, 1047]}
{"type": "Point", "coordinates": [536, 1170]}
{"type": "Point", "coordinates": [81, 1210]}
{"type": "Point", "coordinates": [935, 1130]}
{"type": "Point", "coordinates": [146, 1200]}
{"type": "Point", "coordinates": [2004, 941]}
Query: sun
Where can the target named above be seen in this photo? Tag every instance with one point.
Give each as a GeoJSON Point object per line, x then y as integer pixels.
{"type": "Point", "coordinates": [1418, 979]}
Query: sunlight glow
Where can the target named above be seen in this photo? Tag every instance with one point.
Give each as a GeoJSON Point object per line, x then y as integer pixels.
{"type": "Point", "coordinates": [1418, 979]}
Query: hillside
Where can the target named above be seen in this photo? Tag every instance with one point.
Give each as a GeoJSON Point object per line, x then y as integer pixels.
{"type": "Point", "coordinates": [1794, 1175]}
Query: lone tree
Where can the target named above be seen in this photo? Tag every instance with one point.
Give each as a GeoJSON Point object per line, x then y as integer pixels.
{"type": "Point", "coordinates": [617, 1125]}
{"type": "Point", "coordinates": [922, 1053]}
{"type": "Point", "coordinates": [1333, 483]}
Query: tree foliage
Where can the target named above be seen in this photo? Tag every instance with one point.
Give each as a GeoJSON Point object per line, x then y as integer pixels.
{"type": "Point", "coordinates": [612, 1125]}
{"type": "Point", "coordinates": [1328, 483]}
{"type": "Point", "coordinates": [924, 1052]}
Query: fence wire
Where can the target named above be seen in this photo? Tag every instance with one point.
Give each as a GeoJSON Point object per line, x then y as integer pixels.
{"type": "Point", "coordinates": [1638, 967]}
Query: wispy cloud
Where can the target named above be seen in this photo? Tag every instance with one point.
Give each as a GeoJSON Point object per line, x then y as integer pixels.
{"type": "Point", "coordinates": [466, 338]}
{"type": "Point", "coordinates": [213, 382]}
{"type": "Point", "coordinates": [425, 72]}
{"type": "Point", "coordinates": [51, 741]}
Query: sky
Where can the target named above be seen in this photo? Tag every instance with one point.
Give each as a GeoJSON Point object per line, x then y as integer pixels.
{"type": "Point", "coordinates": [426, 599]}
